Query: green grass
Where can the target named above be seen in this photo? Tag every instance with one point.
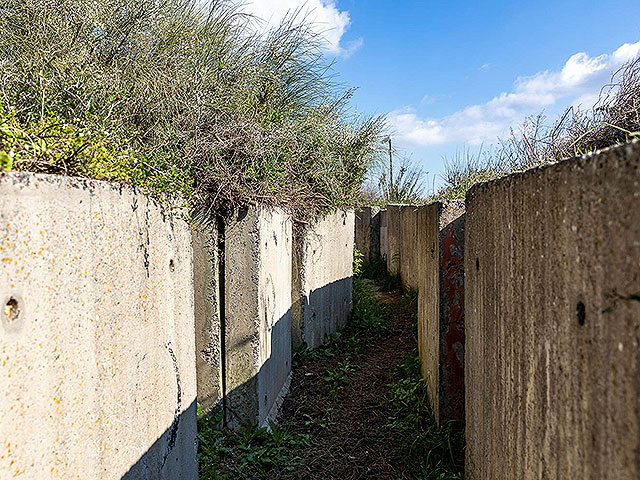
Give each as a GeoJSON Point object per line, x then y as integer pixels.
{"type": "Point", "coordinates": [251, 453]}
{"type": "Point", "coordinates": [435, 453]}
{"type": "Point", "coordinates": [338, 377]}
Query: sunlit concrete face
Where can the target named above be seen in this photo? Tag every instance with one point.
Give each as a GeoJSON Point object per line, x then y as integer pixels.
{"type": "Point", "coordinates": [323, 278]}
{"type": "Point", "coordinates": [408, 245]}
{"type": "Point", "coordinates": [258, 248]}
{"type": "Point", "coordinates": [553, 321]}
{"type": "Point", "coordinates": [96, 339]}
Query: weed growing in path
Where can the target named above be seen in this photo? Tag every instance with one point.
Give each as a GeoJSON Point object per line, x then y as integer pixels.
{"type": "Point", "coordinates": [435, 452]}
{"type": "Point", "coordinates": [338, 377]}
{"type": "Point", "coordinates": [251, 453]}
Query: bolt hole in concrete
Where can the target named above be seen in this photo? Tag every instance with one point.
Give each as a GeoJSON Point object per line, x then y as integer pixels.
{"type": "Point", "coordinates": [172, 266]}
{"type": "Point", "coordinates": [11, 310]}
{"type": "Point", "coordinates": [582, 315]}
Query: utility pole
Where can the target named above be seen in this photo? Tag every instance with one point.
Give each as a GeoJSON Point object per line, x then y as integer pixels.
{"type": "Point", "coordinates": [388, 139]}
{"type": "Point", "coordinates": [390, 165]}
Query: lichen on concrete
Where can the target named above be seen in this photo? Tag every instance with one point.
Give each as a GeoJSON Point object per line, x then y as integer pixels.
{"type": "Point", "coordinates": [97, 364]}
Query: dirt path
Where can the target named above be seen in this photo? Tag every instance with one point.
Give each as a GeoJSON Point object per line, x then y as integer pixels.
{"type": "Point", "coordinates": [348, 436]}
{"type": "Point", "coordinates": [357, 409]}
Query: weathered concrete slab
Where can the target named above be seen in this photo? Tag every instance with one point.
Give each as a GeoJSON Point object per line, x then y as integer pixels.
{"type": "Point", "coordinates": [393, 233]}
{"type": "Point", "coordinates": [399, 242]}
{"type": "Point", "coordinates": [322, 278]}
{"type": "Point", "coordinates": [452, 336]}
{"type": "Point", "coordinates": [408, 240]}
{"type": "Point", "coordinates": [374, 236]}
{"type": "Point", "coordinates": [384, 237]}
{"type": "Point", "coordinates": [367, 232]}
{"type": "Point", "coordinates": [97, 369]}
{"type": "Point", "coordinates": [428, 300]}
{"type": "Point", "coordinates": [206, 275]}
{"type": "Point", "coordinates": [553, 321]}
{"type": "Point", "coordinates": [440, 250]}
{"type": "Point", "coordinates": [363, 230]}
{"type": "Point", "coordinates": [257, 305]}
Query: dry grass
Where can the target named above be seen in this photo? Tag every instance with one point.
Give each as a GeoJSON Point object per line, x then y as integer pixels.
{"type": "Point", "coordinates": [614, 119]}
{"type": "Point", "coordinates": [179, 97]}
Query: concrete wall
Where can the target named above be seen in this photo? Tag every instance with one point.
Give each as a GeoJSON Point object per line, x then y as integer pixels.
{"type": "Point", "coordinates": [363, 231]}
{"type": "Point", "coordinates": [384, 237]}
{"type": "Point", "coordinates": [553, 321]}
{"type": "Point", "coordinates": [97, 368]}
{"type": "Point", "coordinates": [399, 242]}
{"type": "Point", "coordinates": [322, 278]}
{"type": "Point", "coordinates": [408, 245]}
{"type": "Point", "coordinates": [257, 263]}
{"type": "Point", "coordinates": [452, 334]}
{"type": "Point", "coordinates": [367, 232]}
{"type": "Point", "coordinates": [374, 236]}
{"type": "Point", "coordinates": [428, 300]}
{"type": "Point", "coordinates": [206, 273]}
{"type": "Point", "coordinates": [425, 246]}
{"type": "Point", "coordinates": [440, 252]}
{"type": "Point", "coordinates": [393, 239]}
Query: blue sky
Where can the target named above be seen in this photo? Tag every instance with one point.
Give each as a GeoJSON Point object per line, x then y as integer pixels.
{"type": "Point", "coordinates": [455, 75]}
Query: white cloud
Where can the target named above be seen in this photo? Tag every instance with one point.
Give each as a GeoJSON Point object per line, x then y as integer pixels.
{"type": "Point", "coordinates": [427, 100]}
{"type": "Point", "coordinates": [578, 82]}
{"type": "Point", "coordinates": [626, 52]}
{"type": "Point", "coordinates": [327, 19]}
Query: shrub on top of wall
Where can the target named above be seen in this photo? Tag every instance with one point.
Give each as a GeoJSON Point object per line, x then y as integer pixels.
{"type": "Point", "coordinates": [180, 95]}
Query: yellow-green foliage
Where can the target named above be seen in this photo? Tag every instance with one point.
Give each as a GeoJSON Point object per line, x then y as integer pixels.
{"type": "Point", "coordinates": [52, 144]}
{"type": "Point", "coordinates": [179, 95]}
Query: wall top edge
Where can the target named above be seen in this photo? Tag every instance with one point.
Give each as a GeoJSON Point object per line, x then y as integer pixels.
{"type": "Point", "coordinates": [624, 150]}
{"type": "Point", "coordinates": [19, 179]}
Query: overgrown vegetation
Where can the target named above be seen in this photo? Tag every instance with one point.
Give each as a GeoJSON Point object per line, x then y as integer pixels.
{"type": "Point", "coordinates": [406, 185]}
{"type": "Point", "coordinates": [179, 96]}
{"type": "Point", "coordinates": [463, 171]}
{"type": "Point", "coordinates": [615, 118]}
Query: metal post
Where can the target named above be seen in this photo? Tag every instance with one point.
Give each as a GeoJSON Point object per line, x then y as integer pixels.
{"type": "Point", "coordinates": [390, 171]}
